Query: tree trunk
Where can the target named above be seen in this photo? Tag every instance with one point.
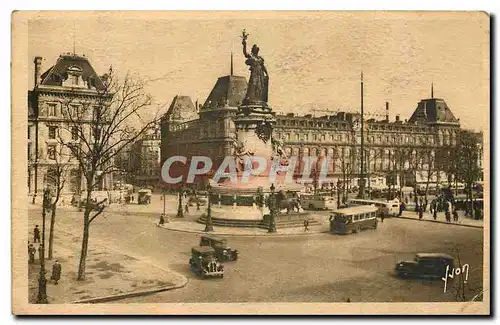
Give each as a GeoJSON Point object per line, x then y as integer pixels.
{"type": "Point", "coordinates": [51, 233]}
{"type": "Point", "coordinates": [53, 221]}
{"type": "Point", "coordinates": [85, 238]}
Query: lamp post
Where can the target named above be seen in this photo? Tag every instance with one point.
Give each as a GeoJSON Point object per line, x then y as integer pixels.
{"type": "Point", "coordinates": [272, 208]}
{"type": "Point", "coordinates": [180, 213]}
{"type": "Point", "coordinates": [42, 281]}
{"type": "Point", "coordinates": [338, 194]}
{"type": "Point", "coordinates": [208, 224]}
{"type": "Point", "coordinates": [361, 193]}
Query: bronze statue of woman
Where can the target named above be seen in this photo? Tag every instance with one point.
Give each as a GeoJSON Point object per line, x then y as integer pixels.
{"type": "Point", "coordinates": [259, 78]}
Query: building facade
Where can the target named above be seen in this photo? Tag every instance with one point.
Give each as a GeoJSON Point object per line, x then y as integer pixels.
{"type": "Point", "coordinates": [146, 160]}
{"type": "Point", "coordinates": [397, 152]}
{"type": "Point", "coordinates": [70, 83]}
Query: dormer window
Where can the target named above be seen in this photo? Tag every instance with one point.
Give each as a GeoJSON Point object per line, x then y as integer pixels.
{"type": "Point", "coordinates": [74, 77]}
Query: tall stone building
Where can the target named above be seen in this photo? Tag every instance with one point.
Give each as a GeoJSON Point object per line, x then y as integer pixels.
{"type": "Point", "coordinates": [397, 152]}
{"type": "Point", "coordinates": [145, 155]}
{"type": "Point", "coordinates": [71, 79]}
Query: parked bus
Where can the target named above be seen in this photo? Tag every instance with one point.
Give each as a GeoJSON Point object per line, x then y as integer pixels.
{"type": "Point", "coordinates": [390, 208]}
{"type": "Point", "coordinates": [317, 202]}
{"type": "Point", "coordinates": [353, 219]}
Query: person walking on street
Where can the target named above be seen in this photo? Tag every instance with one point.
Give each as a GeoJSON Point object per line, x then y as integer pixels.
{"type": "Point", "coordinates": [197, 205]}
{"type": "Point", "coordinates": [56, 272]}
{"type": "Point", "coordinates": [426, 202]}
{"type": "Point", "coordinates": [186, 208]}
{"type": "Point", "coordinates": [420, 213]}
{"type": "Point", "coordinates": [447, 212]}
{"type": "Point", "coordinates": [36, 234]}
{"type": "Point", "coordinates": [434, 211]}
{"type": "Point", "coordinates": [401, 209]}
{"type": "Point", "coordinates": [306, 224]}
{"type": "Point", "coordinates": [382, 216]}
{"type": "Point", "coordinates": [455, 214]}
{"type": "Point", "coordinates": [31, 252]}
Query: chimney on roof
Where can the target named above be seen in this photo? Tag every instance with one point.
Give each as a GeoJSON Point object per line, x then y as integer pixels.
{"type": "Point", "coordinates": [397, 118]}
{"type": "Point", "coordinates": [387, 111]}
{"type": "Point", "coordinates": [38, 70]}
{"type": "Point", "coordinates": [432, 90]}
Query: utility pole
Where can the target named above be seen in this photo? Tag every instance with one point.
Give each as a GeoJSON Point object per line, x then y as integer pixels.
{"type": "Point", "coordinates": [208, 225]}
{"type": "Point", "coordinates": [361, 193]}
{"type": "Point", "coordinates": [180, 213]}
{"type": "Point", "coordinates": [42, 281]}
{"type": "Point", "coordinates": [272, 208]}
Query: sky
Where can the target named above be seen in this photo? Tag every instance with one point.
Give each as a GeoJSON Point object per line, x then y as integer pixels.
{"type": "Point", "coordinates": [314, 59]}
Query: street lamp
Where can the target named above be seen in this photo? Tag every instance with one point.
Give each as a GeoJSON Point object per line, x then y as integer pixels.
{"type": "Point", "coordinates": [208, 225]}
{"type": "Point", "coordinates": [272, 208]}
{"type": "Point", "coordinates": [338, 194]}
{"type": "Point", "coordinates": [180, 213]}
{"type": "Point", "coordinates": [42, 281]}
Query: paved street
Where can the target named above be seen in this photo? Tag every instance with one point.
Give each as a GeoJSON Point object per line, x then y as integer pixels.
{"type": "Point", "coordinates": [315, 268]}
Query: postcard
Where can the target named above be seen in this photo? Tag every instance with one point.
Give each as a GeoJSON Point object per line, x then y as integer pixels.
{"type": "Point", "coordinates": [251, 162]}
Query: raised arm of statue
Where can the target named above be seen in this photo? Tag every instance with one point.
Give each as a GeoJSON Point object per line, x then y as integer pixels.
{"type": "Point", "coordinates": [244, 36]}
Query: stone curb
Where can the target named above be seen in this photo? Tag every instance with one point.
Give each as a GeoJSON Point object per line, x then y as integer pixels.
{"type": "Point", "coordinates": [443, 222]}
{"type": "Point", "coordinates": [312, 232]}
{"type": "Point", "coordinates": [132, 294]}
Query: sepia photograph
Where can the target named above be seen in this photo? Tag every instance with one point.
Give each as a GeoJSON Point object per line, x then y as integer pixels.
{"type": "Point", "coordinates": [256, 162]}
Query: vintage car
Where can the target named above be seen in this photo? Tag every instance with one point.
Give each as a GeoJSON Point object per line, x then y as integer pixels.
{"type": "Point", "coordinates": [144, 196]}
{"type": "Point", "coordinates": [425, 265]}
{"type": "Point", "coordinates": [222, 250]}
{"type": "Point", "coordinates": [204, 263]}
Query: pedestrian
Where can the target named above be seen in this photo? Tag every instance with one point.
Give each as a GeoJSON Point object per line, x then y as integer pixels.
{"type": "Point", "coordinates": [455, 215]}
{"type": "Point", "coordinates": [162, 219]}
{"type": "Point", "coordinates": [306, 224]}
{"type": "Point", "coordinates": [434, 212]}
{"type": "Point", "coordinates": [426, 202]}
{"type": "Point", "coordinates": [382, 216]}
{"type": "Point", "coordinates": [417, 204]}
{"type": "Point", "coordinates": [36, 234]}
{"type": "Point", "coordinates": [31, 252]}
{"type": "Point", "coordinates": [401, 209]}
{"type": "Point", "coordinates": [420, 213]}
{"type": "Point", "coordinates": [186, 208]}
{"type": "Point", "coordinates": [56, 272]}
{"type": "Point", "coordinates": [197, 205]}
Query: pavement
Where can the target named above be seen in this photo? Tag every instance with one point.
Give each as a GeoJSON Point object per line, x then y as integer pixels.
{"type": "Point", "coordinates": [110, 274]}
{"type": "Point", "coordinates": [427, 217]}
{"type": "Point", "coordinates": [190, 226]}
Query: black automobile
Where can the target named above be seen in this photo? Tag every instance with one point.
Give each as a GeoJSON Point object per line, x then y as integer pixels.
{"type": "Point", "coordinates": [204, 263]}
{"type": "Point", "coordinates": [222, 250]}
{"type": "Point", "coordinates": [425, 265]}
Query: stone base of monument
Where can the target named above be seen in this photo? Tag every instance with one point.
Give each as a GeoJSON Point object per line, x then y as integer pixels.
{"type": "Point", "coordinates": [283, 220]}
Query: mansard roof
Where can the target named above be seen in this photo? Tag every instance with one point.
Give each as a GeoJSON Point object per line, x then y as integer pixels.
{"type": "Point", "coordinates": [230, 90]}
{"type": "Point", "coordinates": [433, 111]}
{"type": "Point", "coordinates": [80, 64]}
{"type": "Point", "coordinates": [181, 109]}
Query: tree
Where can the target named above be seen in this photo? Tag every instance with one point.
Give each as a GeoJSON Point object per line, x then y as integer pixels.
{"type": "Point", "coordinates": [56, 177]}
{"type": "Point", "coordinates": [347, 160]}
{"type": "Point", "coordinates": [428, 164]}
{"type": "Point", "coordinates": [102, 123]}
{"type": "Point", "coordinates": [468, 170]}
